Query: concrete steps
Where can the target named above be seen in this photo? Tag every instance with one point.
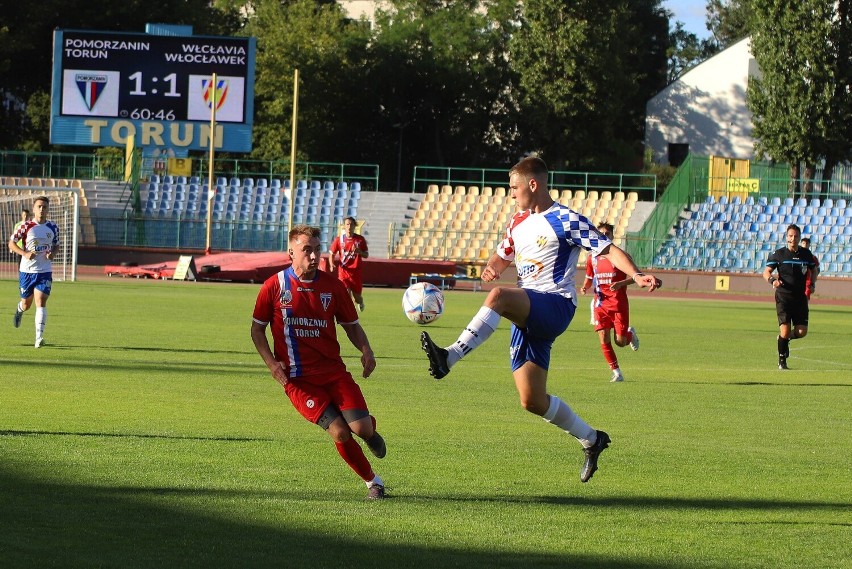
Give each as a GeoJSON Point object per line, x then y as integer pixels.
{"type": "Point", "coordinates": [379, 210]}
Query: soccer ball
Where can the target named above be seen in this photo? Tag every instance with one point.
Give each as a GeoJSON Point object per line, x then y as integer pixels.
{"type": "Point", "coordinates": [423, 303]}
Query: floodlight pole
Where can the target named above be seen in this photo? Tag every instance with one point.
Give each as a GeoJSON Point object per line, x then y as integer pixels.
{"type": "Point", "coordinates": [293, 148]}
{"type": "Point", "coordinates": [211, 191]}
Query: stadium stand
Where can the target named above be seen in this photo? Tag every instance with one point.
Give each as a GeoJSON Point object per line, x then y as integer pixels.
{"type": "Point", "coordinates": [242, 207]}
{"type": "Point", "coordinates": [465, 223]}
{"type": "Point", "coordinates": [738, 235]}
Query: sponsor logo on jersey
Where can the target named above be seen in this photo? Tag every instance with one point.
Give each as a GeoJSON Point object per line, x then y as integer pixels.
{"type": "Point", "coordinates": [541, 241]}
{"type": "Point", "coordinates": [528, 268]}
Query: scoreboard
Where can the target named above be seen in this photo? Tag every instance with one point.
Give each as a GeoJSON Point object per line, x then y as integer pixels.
{"type": "Point", "coordinates": [158, 89]}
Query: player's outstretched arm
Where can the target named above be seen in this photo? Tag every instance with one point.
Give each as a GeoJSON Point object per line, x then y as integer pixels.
{"type": "Point", "coordinates": [624, 262]}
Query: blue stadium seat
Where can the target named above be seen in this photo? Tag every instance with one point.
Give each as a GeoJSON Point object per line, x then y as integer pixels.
{"type": "Point", "coordinates": [342, 189]}
{"type": "Point", "coordinates": [301, 188]}
{"type": "Point", "coordinates": [841, 203]}
{"type": "Point", "coordinates": [815, 202]}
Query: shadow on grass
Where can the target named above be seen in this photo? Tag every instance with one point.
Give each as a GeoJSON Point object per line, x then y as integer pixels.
{"type": "Point", "coordinates": [646, 502]}
{"type": "Point", "coordinates": [56, 525]}
{"type": "Point", "coordinates": [49, 524]}
{"type": "Point", "coordinates": [8, 433]}
{"type": "Point", "coordinates": [155, 365]}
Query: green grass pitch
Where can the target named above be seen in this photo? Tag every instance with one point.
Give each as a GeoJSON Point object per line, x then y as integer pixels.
{"type": "Point", "coordinates": [148, 433]}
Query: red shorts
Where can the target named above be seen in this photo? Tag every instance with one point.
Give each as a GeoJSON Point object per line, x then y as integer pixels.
{"type": "Point", "coordinates": [352, 281]}
{"type": "Point", "coordinates": [613, 317]}
{"type": "Point", "coordinates": [310, 398]}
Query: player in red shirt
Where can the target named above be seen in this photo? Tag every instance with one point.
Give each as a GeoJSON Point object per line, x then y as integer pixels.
{"type": "Point", "coordinates": [351, 247]}
{"type": "Point", "coordinates": [611, 308]}
{"type": "Point", "coordinates": [302, 303]}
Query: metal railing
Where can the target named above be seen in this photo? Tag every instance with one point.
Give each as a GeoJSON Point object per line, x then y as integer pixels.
{"type": "Point", "coordinates": [183, 232]}
{"type": "Point", "coordinates": [645, 185]}
{"type": "Point", "coordinates": [93, 166]}
{"type": "Point", "coordinates": [60, 165]}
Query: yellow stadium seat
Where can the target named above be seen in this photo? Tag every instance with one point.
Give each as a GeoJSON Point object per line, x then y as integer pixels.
{"type": "Point", "coordinates": [432, 189]}
{"type": "Point", "coordinates": [460, 190]}
{"type": "Point", "coordinates": [487, 191]}
{"type": "Point", "coordinates": [446, 189]}
{"type": "Point", "coordinates": [473, 190]}
{"type": "Point", "coordinates": [606, 196]}
{"type": "Point", "coordinates": [500, 192]}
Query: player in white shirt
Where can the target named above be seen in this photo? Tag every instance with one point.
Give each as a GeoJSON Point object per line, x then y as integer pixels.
{"type": "Point", "coordinates": [40, 239]}
{"type": "Point", "coordinates": [543, 240]}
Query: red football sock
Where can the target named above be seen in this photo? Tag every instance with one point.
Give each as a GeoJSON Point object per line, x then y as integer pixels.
{"type": "Point", "coordinates": [351, 452]}
{"type": "Point", "coordinates": [609, 355]}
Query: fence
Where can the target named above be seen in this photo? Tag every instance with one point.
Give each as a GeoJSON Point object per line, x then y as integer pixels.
{"type": "Point", "coordinates": [112, 167]}
{"type": "Point", "coordinates": [645, 185]}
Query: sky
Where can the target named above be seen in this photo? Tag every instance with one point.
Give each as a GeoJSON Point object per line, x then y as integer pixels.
{"type": "Point", "coordinates": [691, 13]}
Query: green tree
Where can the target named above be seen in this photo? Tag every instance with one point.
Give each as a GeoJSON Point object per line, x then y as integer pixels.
{"type": "Point", "coordinates": [685, 51]}
{"type": "Point", "coordinates": [800, 98]}
{"type": "Point", "coordinates": [586, 70]}
{"type": "Point", "coordinates": [26, 47]}
{"type": "Point", "coordinates": [729, 21]}
{"type": "Point", "coordinates": [316, 40]}
{"type": "Point", "coordinates": [439, 75]}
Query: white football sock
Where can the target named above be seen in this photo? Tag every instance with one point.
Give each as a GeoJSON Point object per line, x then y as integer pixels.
{"type": "Point", "coordinates": [562, 416]}
{"type": "Point", "coordinates": [478, 330]}
{"type": "Point", "coordinates": [40, 321]}
{"type": "Point", "coordinates": [374, 481]}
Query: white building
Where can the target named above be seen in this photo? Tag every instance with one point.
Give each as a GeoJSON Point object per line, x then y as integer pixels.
{"type": "Point", "coordinates": [704, 111]}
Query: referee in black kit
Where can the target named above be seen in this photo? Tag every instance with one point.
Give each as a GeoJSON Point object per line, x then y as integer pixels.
{"type": "Point", "coordinates": [793, 264]}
